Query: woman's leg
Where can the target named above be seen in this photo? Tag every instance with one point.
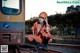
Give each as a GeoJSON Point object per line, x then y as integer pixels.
{"type": "Point", "coordinates": [30, 38]}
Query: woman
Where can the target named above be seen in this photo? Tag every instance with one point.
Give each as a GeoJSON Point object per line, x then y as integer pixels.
{"type": "Point", "coordinates": [41, 30]}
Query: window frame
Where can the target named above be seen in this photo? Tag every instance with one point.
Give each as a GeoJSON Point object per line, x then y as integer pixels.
{"type": "Point", "coordinates": [20, 7]}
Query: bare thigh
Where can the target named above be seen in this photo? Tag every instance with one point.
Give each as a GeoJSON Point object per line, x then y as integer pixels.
{"type": "Point", "coordinates": [34, 37]}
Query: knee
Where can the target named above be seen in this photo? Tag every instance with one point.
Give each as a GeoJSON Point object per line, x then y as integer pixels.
{"type": "Point", "coordinates": [30, 38]}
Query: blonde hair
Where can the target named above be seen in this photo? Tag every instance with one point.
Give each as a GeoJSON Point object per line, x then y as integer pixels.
{"type": "Point", "coordinates": [43, 13]}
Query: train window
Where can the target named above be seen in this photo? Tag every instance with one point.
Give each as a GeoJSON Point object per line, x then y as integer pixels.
{"type": "Point", "coordinates": [11, 7]}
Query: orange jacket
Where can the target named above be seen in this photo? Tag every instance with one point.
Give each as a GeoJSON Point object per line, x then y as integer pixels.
{"type": "Point", "coordinates": [36, 36]}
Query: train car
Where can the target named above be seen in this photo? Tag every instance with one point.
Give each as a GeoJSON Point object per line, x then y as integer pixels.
{"type": "Point", "coordinates": [12, 22]}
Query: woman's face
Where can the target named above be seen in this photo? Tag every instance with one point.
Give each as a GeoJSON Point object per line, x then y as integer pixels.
{"type": "Point", "coordinates": [41, 20]}
{"type": "Point", "coordinates": [42, 17]}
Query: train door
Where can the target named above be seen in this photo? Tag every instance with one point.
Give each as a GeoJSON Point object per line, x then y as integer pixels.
{"type": "Point", "coordinates": [12, 22]}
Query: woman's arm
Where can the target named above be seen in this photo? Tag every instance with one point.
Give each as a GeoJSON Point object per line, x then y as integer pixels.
{"type": "Point", "coordinates": [33, 28]}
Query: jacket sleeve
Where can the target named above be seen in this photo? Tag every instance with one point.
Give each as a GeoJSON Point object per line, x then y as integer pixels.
{"type": "Point", "coordinates": [34, 26]}
{"type": "Point", "coordinates": [46, 34]}
{"type": "Point", "coordinates": [45, 29]}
